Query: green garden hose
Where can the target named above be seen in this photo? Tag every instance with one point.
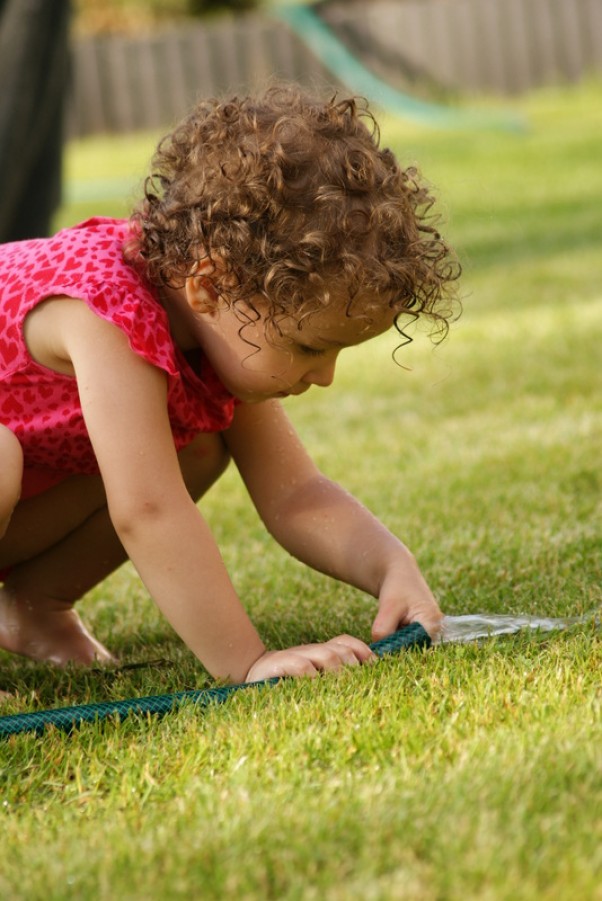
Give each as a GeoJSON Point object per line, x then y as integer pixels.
{"type": "Point", "coordinates": [69, 718]}
{"type": "Point", "coordinates": [325, 44]}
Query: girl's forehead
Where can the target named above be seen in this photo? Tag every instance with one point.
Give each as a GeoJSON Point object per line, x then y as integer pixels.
{"type": "Point", "coordinates": [336, 326]}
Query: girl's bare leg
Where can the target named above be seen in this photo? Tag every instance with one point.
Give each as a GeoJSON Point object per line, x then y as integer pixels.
{"type": "Point", "coordinates": [41, 521]}
{"type": "Point", "coordinates": [37, 618]}
{"type": "Point", "coordinates": [11, 474]}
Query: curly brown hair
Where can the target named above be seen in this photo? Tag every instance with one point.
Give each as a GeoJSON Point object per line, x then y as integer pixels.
{"type": "Point", "coordinates": [293, 194]}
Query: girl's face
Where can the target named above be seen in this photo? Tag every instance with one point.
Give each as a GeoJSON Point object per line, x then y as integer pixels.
{"type": "Point", "coordinates": [255, 361]}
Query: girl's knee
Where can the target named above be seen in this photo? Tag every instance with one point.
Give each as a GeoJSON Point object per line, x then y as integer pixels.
{"type": "Point", "coordinates": [11, 475]}
{"type": "Point", "coordinates": [202, 462]}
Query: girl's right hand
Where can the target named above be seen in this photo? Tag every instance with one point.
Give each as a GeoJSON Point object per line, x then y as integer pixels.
{"type": "Point", "coordinates": [311, 659]}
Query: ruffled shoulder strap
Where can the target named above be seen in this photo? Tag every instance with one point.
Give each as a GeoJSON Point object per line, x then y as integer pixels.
{"type": "Point", "coordinates": [86, 261]}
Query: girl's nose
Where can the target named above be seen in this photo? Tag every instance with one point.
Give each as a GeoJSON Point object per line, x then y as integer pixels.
{"type": "Point", "coordinates": [322, 375]}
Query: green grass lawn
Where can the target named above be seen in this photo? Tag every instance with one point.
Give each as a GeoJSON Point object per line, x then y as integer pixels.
{"type": "Point", "coordinates": [462, 772]}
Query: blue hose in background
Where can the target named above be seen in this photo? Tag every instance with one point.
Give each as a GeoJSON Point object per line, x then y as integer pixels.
{"type": "Point", "coordinates": [326, 46]}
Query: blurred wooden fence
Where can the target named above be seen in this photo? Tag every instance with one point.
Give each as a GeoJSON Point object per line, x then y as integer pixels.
{"type": "Point", "coordinates": [123, 83]}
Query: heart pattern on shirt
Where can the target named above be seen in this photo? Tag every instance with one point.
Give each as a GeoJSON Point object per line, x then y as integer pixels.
{"type": "Point", "coordinates": [42, 407]}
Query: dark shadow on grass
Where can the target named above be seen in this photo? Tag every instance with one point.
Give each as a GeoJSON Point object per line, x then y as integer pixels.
{"type": "Point", "coordinates": [157, 668]}
{"type": "Point", "coordinates": [535, 234]}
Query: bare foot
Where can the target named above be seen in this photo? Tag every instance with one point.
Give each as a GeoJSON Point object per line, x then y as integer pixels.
{"type": "Point", "coordinates": [47, 631]}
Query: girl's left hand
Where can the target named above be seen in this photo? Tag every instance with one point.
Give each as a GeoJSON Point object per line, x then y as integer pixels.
{"type": "Point", "coordinates": [405, 598]}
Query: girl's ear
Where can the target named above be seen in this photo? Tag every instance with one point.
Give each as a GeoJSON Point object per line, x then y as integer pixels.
{"type": "Point", "coordinates": [201, 295]}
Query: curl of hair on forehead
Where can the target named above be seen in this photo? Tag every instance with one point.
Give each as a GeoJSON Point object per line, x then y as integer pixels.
{"type": "Point", "coordinates": [295, 196]}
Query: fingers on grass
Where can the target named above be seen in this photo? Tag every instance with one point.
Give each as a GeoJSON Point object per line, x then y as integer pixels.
{"type": "Point", "coordinates": [297, 665]}
{"type": "Point", "coordinates": [352, 650]}
{"type": "Point", "coordinates": [276, 664]}
{"type": "Point", "coordinates": [311, 659]}
{"type": "Point", "coordinates": [338, 652]}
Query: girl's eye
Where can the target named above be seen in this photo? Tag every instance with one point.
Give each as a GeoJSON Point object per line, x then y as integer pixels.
{"type": "Point", "coordinates": [310, 351]}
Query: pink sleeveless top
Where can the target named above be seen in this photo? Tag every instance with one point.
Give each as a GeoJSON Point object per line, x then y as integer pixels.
{"type": "Point", "coordinates": [41, 406]}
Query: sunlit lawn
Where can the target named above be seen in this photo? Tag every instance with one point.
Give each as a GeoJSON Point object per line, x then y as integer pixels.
{"type": "Point", "coordinates": [462, 772]}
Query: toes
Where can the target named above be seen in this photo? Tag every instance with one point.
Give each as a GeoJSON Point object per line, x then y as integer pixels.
{"type": "Point", "coordinates": [59, 638]}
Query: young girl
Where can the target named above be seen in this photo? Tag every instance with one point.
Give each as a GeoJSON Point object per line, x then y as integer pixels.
{"type": "Point", "coordinates": [137, 358]}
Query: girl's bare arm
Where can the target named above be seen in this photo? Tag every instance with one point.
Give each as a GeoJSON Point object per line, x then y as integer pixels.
{"type": "Point", "coordinates": [322, 524]}
{"type": "Point", "coordinates": [124, 401]}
